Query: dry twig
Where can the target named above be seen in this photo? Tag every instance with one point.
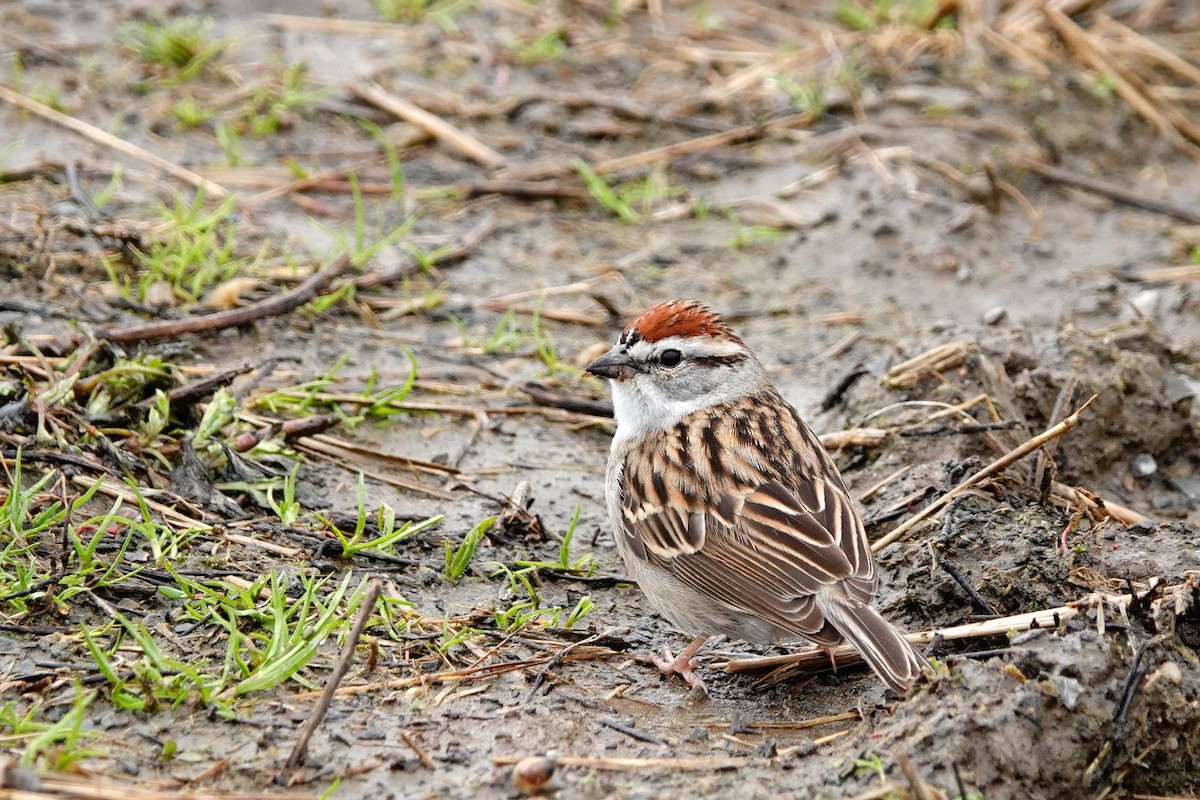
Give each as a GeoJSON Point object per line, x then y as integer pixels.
{"type": "Point", "coordinates": [819, 658]}
{"type": "Point", "coordinates": [438, 127]}
{"type": "Point", "coordinates": [108, 140]}
{"type": "Point", "coordinates": [1112, 191]}
{"type": "Point", "coordinates": [991, 469]}
{"type": "Point", "coordinates": [223, 320]}
{"type": "Point", "coordinates": [943, 357]}
{"type": "Point", "coordinates": [1078, 497]}
{"type": "Point", "coordinates": [370, 596]}
{"type": "Point", "coordinates": [634, 764]}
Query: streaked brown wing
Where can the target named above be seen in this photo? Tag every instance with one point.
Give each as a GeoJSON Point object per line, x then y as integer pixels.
{"type": "Point", "coordinates": [838, 515]}
{"type": "Point", "coordinates": [763, 549]}
{"type": "Point", "coordinates": [831, 504]}
{"type": "Point", "coordinates": [743, 503]}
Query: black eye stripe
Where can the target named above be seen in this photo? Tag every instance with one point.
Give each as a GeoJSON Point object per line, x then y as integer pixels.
{"type": "Point", "coordinates": [719, 361]}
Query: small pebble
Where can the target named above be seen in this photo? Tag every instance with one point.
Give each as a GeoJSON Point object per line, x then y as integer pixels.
{"type": "Point", "coordinates": [1147, 302]}
{"type": "Point", "coordinates": [1030, 707]}
{"type": "Point", "coordinates": [940, 326]}
{"type": "Point", "coordinates": [1027, 636]}
{"type": "Point", "coordinates": [995, 316]}
{"type": "Point", "coordinates": [1069, 691]}
{"type": "Point", "coordinates": [1171, 673]}
{"type": "Point", "coordinates": [1143, 466]}
{"type": "Point", "coordinates": [160, 295]}
{"type": "Point", "coordinates": [67, 208]}
{"type": "Point", "coordinates": [19, 778]}
{"type": "Point", "coordinates": [948, 99]}
{"type": "Point", "coordinates": [530, 775]}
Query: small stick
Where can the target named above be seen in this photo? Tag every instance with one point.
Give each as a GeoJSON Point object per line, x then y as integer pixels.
{"type": "Point", "coordinates": [634, 764]}
{"type": "Point", "coordinates": [544, 396]}
{"type": "Point", "coordinates": [62, 785]}
{"type": "Point", "coordinates": [555, 315]}
{"type": "Point", "coordinates": [839, 347]}
{"type": "Point", "coordinates": [1044, 467]}
{"type": "Point", "coordinates": [620, 106]}
{"type": "Point", "coordinates": [503, 301]}
{"type": "Point", "coordinates": [450, 255]}
{"type": "Point", "coordinates": [1084, 499]}
{"type": "Point", "coordinates": [944, 356]}
{"type": "Point", "coordinates": [845, 716]}
{"type": "Point", "coordinates": [558, 657]}
{"type": "Point", "coordinates": [318, 713]}
{"type": "Point", "coordinates": [314, 180]}
{"type": "Point", "coordinates": [1133, 682]}
{"type": "Point", "coordinates": [481, 672]}
{"type": "Point", "coordinates": [313, 447]}
{"type": "Point", "coordinates": [196, 391]}
{"type": "Point", "coordinates": [667, 152]}
{"type": "Point", "coordinates": [8, 457]}
{"type": "Point", "coordinates": [223, 320]}
{"type": "Point", "coordinates": [991, 469]}
{"type": "Point", "coordinates": [337, 444]}
{"type": "Point", "coordinates": [981, 604]}
{"type": "Point", "coordinates": [522, 190]}
{"type": "Point", "coordinates": [337, 25]}
{"type": "Point", "coordinates": [857, 437]}
{"type": "Point", "coordinates": [415, 746]}
{"type": "Point", "coordinates": [1155, 274]}
{"type": "Point", "coordinates": [920, 789]}
{"type": "Point", "coordinates": [884, 483]}
{"type": "Point", "coordinates": [701, 144]}
{"type": "Point", "coordinates": [835, 394]}
{"type": "Point", "coordinates": [459, 410]}
{"type": "Point", "coordinates": [815, 657]}
{"type": "Point", "coordinates": [438, 127]}
{"type": "Point", "coordinates": [108, 140]}
{"type": "Point", "coordinates": [634, 733]}
{"type": "Point", "coordinates": [966, 428]}
{"type": "Point", "coordinates": [1117, 193]}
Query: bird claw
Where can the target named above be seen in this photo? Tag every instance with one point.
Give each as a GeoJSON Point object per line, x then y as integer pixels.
{"type": "Point", "coordinates": [683, 665]}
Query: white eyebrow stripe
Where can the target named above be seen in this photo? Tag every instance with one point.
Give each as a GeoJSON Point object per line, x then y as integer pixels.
{"type": "Point", "coordinates": [695, 346]}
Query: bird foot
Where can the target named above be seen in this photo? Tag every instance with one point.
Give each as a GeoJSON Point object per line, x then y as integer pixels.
{"type": "Point", "coordinates": [683, 665]}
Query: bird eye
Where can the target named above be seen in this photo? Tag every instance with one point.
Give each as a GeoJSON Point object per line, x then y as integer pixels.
{"type": "Point", "coordinates": [670, 358]}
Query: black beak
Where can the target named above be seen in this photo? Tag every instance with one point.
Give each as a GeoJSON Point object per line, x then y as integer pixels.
{"type": "Point", "coordinates": [614, 364]}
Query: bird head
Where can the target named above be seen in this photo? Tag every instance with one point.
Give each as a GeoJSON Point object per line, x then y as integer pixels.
{"type": "Point", "coordinates": [674, 359]}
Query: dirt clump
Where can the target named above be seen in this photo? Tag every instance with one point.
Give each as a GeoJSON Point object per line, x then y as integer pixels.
{"type": "Point", "coordinates": [1056, 718]}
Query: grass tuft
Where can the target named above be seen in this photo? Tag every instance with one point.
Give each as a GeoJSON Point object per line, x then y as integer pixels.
{"type": "Point", "coordinates": [182, 45]}
{"type": "Point", "coordinates": [459, 558]}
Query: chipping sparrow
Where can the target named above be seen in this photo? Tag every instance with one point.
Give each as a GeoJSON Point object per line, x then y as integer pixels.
{"type": "Point", "coordinates": [727, 510]}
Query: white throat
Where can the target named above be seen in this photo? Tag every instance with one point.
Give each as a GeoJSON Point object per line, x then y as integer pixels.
{"type": "Point", "coordinates": [638, 414]}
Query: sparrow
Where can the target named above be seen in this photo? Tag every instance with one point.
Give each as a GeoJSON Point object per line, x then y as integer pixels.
{"type": "Point", "coordinates": [726, 509]}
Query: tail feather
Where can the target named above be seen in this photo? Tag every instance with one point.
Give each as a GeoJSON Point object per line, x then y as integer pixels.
{"type": "Point", "coordinates": [881, 645]}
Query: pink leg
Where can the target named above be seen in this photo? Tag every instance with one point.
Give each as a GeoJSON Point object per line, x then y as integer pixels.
{"type": "Point", "coordinates": [832, 657]}
{"type": "Point", "coordinates": [683, 664]}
